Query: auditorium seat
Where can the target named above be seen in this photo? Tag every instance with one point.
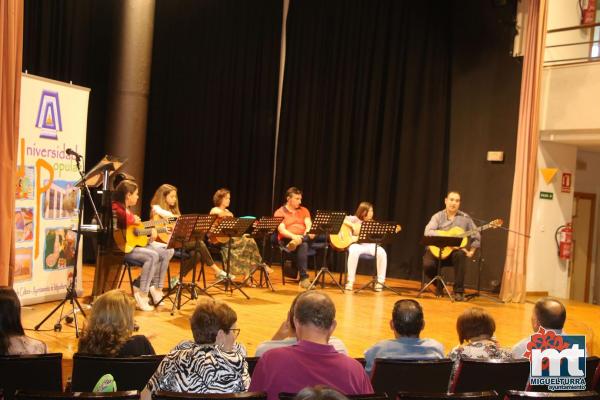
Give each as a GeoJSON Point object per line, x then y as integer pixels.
{"type": "Point", "coordinates": [592, 363]}
{"type": "Point", "coordinates": [517, 395]}
{"type": "Point", "coordinates": [209, 396]}
{"type": "Point", "coordinates": [16, 373]}
{"type": "Point", "coordinates": [368, 396]}
{"type": "Point", "coordinates": [499, 375]}
{"type": "Point", "coordinates": [130, 373]}
{"type": "Point", "coordinates": [251, 364]}
{"type": "Point", "coordinates": [488, 395]}
{"type": "Point", "coordinates": [417, 375]}
{"type": "Point", "coordinates": [39, 395]}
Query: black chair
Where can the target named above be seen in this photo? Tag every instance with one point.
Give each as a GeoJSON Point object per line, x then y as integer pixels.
{"type": "Point", "coordinates": [596, 380]}
{"type": "Point", "coordinates": [209, 396]}
{"type": "Point", "coordinates": [37, 395]}
{"type": "Point", "coordinates": [517, 394]}
{"type": "Point", "coordinates": [126, 268]}
{"type": "Point", "coordinates": [361, 360]}
{"type": "Point", "coordinates": [130, 373]}
{"type": "Point", "coordinates": [488, 395]}
{"type": "Point", "coordinates": [16, 373]}
{"type": "Point", "coordinates": [251, 364]}
{"type": "Point", "coordinates": [417, 375]}
{"type": "Point", "coordinates": [367, 396]}
{"type": "Point", "coordinates": [499, 375]}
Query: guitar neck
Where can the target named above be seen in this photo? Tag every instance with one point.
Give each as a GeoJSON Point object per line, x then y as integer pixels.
{"type": "Point", "coordinates": [478, 229]}
{"type": "Point", "coordinates": [148, 231]}
{"type": "Point", "coordinates": [155, 222]}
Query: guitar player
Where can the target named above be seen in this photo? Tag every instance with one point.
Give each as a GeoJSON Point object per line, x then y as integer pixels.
{"type": "Point", "coordinates": [364, 212]}
{"type": "Point", "coordinates": [445, 220]}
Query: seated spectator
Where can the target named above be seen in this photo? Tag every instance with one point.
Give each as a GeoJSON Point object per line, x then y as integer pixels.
{"type": "Point", "coordinates": [475, 328]}
{"type": "Point", "coordinates": [548, 313]}
{"type": "Point", "coordinates": [110, 327]}
{"type": "Point", "coordinates": [319, 392]}
{"type": "Point", "coordinates": [407, 323]}
{"type": "Point", "coordinates": [12, 337]}
{"type": "Point", "coordinates": [312, 360]}
{"type": "Point", "coordinates": [286, 336]}
{"type": "Point", "coordinates": [213, 363]}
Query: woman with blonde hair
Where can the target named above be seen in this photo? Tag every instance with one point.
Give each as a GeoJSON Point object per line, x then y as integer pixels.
{"type": "Point", "coordinates": [110, 326]}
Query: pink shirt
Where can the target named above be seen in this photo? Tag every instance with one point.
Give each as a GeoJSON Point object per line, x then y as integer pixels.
{"type": "Point", "coordinates": [294, 221]}
{"type": "Point", "coordinates": [290, 369]}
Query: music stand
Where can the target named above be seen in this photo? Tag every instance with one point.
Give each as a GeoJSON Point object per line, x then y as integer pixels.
{"type": "Point", "coordinates": [263, 229]}
{"type": "Point", "coordinates": [230, 227]}
{"type": "Point", "coordinates": [440, 242]}
{"type": "Point", "coordinates": [187, 228]}
{"type": "Point", "coordinates": [326, 222]}
{"type": "Point", "coordinates": [378, 233]}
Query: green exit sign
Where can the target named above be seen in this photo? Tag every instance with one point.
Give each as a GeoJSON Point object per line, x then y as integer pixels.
{"type": "Point", "coordinates": [546, 195]}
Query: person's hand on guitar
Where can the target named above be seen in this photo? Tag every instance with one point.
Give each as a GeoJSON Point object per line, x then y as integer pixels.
{"type": "Point", "coordinates": [136, 219]}
{"type": "Point", "coordinates": [469, 253]}
{"type": "Point", "coordinates": [153, 234]}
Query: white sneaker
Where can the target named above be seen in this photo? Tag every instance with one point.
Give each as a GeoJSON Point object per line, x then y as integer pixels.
{"type": "Point", "coordinates": [349, 285]}
{"type": "Point", "coordinates": [378, 287]}
{"type": "Point", "coordinates": [141, 299]}
{"type": "Point", "coordinates": [156, 294]}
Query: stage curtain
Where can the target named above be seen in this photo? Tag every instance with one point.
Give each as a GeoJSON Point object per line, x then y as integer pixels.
{"type": "Point", "coordinates": [213, 101]}
{"type": "Point", "coordinates": [11, 52]}
{"type": "Point", "coordinates": [365, 112]}
{"type": "Point", "coordinates": [513, 281]}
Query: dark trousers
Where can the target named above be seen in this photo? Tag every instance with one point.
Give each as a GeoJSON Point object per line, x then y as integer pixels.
{"type": "Point", "coordinates": [301, 254]}
{"type": "Point", "coordinates": [458, 260]}
{"type": "Point", "coordinates": [197, 251]}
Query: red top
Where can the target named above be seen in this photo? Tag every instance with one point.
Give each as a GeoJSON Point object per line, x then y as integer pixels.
{"type": "Point", "coordinates": [124, 216]}
{"type": "Point", "coordinates": [290, 369]}
{"type": "Point", "coordinates": [294, 221]}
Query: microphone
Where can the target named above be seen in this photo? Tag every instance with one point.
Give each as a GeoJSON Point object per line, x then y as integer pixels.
{"type": "Point", "coordinates": [73, 153]}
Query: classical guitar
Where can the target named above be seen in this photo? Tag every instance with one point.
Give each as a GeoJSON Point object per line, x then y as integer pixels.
{"type": "Point", "coordinates": [342, 240]}
{"type": "Point", "coordinates": [460, 232]}
{"type": "Point", "coordinates": [137, 234]}
{"type": "Point", "coordinates": [169, 223]}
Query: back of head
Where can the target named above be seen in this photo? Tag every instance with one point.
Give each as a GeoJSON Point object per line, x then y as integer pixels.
{"type": "Point", "coordinates": [407, 317]}
{"type": "Point", "coordinates": [110, 324]}
{"type": "Point", "coordinates": [319, 392]}
{"type": "Point", "coordinates": [475, 322]}
{"type": "Point", "coordinates": [209, 317]}
{"type": "Point", "coordinates": [550, 313]}
{"type": "Point", "coordinates": [10, 317]}
{"type": "Point", "coordinates": [315, 308]}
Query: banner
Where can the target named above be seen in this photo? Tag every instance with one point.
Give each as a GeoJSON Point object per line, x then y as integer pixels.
{"type": "Point", "coordinates": [53, 118]}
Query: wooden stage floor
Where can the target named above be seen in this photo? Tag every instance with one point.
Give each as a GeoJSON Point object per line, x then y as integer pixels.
{"type": "Point", "coordinates": [362, 319]}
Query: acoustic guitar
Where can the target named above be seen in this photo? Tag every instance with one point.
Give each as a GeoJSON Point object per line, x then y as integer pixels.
{"type": "Point", "coordinates": [169, 223]}
{"type": "Point", "coordinates": [460, 232]}
{"type": "Point", "coordinates": [137, 234]}
{"type": "Point", "coordinates": [342, 240]}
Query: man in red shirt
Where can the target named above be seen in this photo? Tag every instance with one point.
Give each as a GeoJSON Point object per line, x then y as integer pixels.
{"type": "Point", "coordinates": [312, 361]}
{"type": "Point", "coordinates": [293, 230]}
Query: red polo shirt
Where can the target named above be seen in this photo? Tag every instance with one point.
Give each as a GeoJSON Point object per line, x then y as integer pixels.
{"type": "Point", "coordinates": [294, 221]}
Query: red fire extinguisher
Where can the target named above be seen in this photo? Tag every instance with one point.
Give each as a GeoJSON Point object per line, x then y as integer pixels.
{"type": "Point", "coordinates": [588, 11]}
{"type": "Point", "coordinates": [564, 241]}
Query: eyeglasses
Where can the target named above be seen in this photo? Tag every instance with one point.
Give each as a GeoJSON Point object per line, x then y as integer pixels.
{"type": "Point", "coordinates": [236, 332]}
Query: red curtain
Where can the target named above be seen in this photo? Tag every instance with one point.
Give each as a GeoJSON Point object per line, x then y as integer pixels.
{"type": "Point", "coordinates": [11, 55]}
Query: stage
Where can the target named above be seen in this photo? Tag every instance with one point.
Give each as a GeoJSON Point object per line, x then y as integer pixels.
{"type": "Point", "coordinates": [362, 319]}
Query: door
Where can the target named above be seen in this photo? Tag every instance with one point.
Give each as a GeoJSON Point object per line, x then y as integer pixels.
{"type": "Point", "coordinates": [583, 230]}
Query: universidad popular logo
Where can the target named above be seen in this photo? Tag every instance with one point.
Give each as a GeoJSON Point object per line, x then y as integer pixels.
{"type": "Point", "coordinates": [557, 361]}
{"type": "Point", "coordinates": [48, 116]}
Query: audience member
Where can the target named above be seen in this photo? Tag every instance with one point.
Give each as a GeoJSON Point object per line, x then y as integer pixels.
{"type": "Point", "coordinates": [312, 360]}
{"type": "Point", "coordinates": [407, 323]}
{"type": "Point", "coordinates": [319, 392]}
{"type": "Point", "coordinates": [548, 313]}
{"type": "Point", "coordinates": [475, 328]}
{"type": "Point", "coordinates": [110, 327]}
{"type": "Point", "coordinates": [12, 336]}
{"type": "Point", "coordinates": [286, 336]}
{"type": "Point", "coordinates": [213, 362]}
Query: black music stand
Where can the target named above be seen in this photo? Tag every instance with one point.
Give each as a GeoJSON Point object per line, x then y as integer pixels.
{"type": "Point", "coordinates": [263, 229]}
{"type": "Point", "coordinates": [187, 228]}
{"type": "Point", "coordinates": [230, 227]}
{"type": "Point", "coordinates": [328, 223]}
{"type": "Point", "coordinates": [378, 233]}
{"type": "Point", "coordinates": [440, 242]}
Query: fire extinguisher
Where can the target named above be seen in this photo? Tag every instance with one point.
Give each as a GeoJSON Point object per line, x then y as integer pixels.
{"type": "Point", "coordinates": [588, 11]}
{"type": "Point", "coordinates": [564, 241]}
